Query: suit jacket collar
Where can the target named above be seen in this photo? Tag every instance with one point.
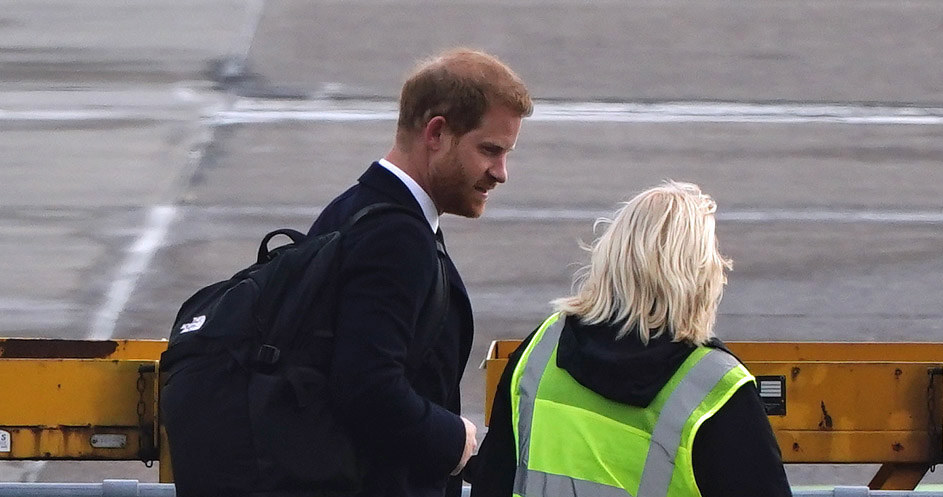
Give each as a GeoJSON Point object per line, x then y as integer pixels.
{"type": "Point", "coordinates": [379, 178]}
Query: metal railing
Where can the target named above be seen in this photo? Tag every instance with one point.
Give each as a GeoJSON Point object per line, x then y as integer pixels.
{"type": "Point", "coordinates": [107, 488]}
{"type": "Point", "coordinates": [131, 488]}
{"type": "Point", "coordinates": [844, 491]}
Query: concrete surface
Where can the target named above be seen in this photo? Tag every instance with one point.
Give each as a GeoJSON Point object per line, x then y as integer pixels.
{"type": "Point", "coordinates": [125, 185]}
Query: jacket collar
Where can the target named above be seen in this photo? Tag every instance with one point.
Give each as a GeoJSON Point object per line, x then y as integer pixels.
{"type": "Point", "coordinates": [425, 201]}
{"type": "Point", "coordinates": [623, 370]}
{"type": "Point", "coordinates": [379, 178]}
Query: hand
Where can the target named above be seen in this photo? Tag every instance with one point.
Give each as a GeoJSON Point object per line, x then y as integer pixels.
{"type": "Point", "coordinates": [470, 445]}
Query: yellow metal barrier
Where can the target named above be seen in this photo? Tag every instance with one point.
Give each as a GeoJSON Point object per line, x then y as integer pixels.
{"type": "Point", "coordinates": [44, 348]}
{"type": "Point", "coordinates": [81, 400]}
{"type": "Point", "coordinates": [841, 402]}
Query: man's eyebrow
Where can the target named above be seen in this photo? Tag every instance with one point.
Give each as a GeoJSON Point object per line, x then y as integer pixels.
{"type": "Point", "coordinates": [490, 144]}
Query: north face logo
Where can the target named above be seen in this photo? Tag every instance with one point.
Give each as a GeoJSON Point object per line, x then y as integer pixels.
{"type": "Point", "coordinates": [194, 325]}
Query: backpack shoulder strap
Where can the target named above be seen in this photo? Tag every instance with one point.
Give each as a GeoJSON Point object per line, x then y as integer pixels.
{"type": "Point", "coordinates": [378, 208]}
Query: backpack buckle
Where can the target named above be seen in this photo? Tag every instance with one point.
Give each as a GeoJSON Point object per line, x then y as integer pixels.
{"type": "Point", "coordinates": [267, 354]}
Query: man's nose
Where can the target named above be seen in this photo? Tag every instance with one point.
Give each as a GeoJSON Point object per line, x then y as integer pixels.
{"type": "Point", "coordinates": [499, 171]}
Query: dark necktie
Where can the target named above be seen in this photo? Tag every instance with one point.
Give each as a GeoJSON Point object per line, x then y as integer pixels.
{"type": "Point", "coordinates": [440, 242]}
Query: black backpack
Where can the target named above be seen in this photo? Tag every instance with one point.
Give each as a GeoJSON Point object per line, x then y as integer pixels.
{"type": "Point", "coordinates": [244, 397]}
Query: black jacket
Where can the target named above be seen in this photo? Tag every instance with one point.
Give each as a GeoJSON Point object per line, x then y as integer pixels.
{"type": "Point", "coordinates": [735, 452]}
{"type": "Point", "coordinates": [405, 423]}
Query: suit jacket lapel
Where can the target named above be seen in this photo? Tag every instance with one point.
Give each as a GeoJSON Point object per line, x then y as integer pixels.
{"type": "Point", "coordinates": [379, 178]}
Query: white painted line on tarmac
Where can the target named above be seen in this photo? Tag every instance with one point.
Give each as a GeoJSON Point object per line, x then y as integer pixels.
{"type": "Point", "coordinates": [834, 216]}
{"type": "Point", "coordinates": [235, 65]}
{"type": "Point", "coordinates": [138, 258]}
{"type": "Point", "coordinates": [738, 216]}
{"type": "Point", "coordinates": [721, 112]}
{"type": "Point", "coordinates": [140, 254]}
{"type": "Point", "coordinates": [254, 11]}
{"type": "Point", "coordinates": [74, 115]}
{"type": "Point", "coordinates": [261, 111]}
{"type": "Point", "coordinates": [249, 111]}
{"type": "Point", "coordinates": [542, 214]}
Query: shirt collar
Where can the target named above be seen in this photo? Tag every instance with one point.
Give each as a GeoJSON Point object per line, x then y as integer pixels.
{"type": "Point", "coordinates": [425, 201]}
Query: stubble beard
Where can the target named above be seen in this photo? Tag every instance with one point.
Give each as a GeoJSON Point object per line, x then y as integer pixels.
{"type": "Point", "coordinates": [458, 196]}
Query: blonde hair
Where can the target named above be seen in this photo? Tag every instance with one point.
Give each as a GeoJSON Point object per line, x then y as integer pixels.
{"type": "Point", "coordinates": [655, 268]}
{"type": "Point", "coordinates": [460, 85]}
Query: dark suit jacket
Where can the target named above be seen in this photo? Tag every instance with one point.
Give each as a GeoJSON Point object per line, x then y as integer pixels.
{"type": "Point", "coordinates": [405, 423]}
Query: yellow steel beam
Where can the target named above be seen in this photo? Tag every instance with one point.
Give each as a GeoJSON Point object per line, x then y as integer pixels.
{"type": "Point", "coordinates": [845, 402]}
{"type": "Point", "coordinates": [898, 476]}
{"type": "Point", "coordinates": [44, 348]}
{"type": "Point", "coordinates": [804, 351]}
{"type": "Point", "coordinates": [165, 471]}
{"type": "Point", "coordinates": [844, 396]}
{"type": "Point", "coordinates": [96, 442]}
{"type": "Point", "coordinates": [78, 409]}
{"type": "Point", "coordinates": [838, 351]}
{"type": "Point", "coordinates": [854, 447]}
{"type": "Point", "coordinates": [495, 362]}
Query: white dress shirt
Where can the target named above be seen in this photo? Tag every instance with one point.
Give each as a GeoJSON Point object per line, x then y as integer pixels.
{"type": "Point", "coordinates": [425, 201]}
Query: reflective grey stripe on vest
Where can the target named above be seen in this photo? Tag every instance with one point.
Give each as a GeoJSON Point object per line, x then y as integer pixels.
{"type": "Point", "coordinates": [530, 380]}
{"type": "Point", "coordinates": [694, 387]}
{"type": "Point", "coordinates": [551, 485]}
{"type": "Point", "coordinates": [529, 482]}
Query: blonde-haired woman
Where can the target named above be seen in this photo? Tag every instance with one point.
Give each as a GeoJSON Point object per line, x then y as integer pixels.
{"type": "Point", "coordinates": [625, 391]}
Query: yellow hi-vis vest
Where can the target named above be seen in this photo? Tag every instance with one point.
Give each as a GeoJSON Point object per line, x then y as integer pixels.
{"type": "Point", "coordinates": [572, 442]}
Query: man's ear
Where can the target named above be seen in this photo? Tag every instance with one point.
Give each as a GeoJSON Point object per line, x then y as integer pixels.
{"type": "Point", "coordinates": [435, 134]}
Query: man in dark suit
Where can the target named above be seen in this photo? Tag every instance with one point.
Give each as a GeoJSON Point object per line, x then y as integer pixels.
{"type": "Point", "coordinates": [460, 114]}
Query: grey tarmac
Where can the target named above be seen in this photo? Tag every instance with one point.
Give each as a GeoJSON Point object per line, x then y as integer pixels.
{"type": "Point", "coordinates": [126, 183]}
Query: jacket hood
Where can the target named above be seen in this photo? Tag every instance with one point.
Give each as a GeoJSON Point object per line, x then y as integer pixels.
{"type": "Point", "coordinates": [623, 370]}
